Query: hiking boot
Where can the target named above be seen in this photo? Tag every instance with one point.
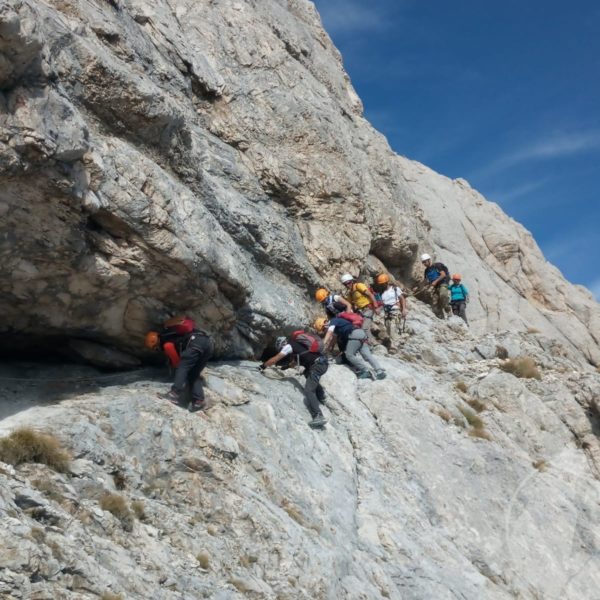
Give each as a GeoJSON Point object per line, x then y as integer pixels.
{"type": "Point", "coordinates": [380, 374]}
{"type": "Point", "coordinates": [172, 396]}
{"type": "Point", "coordinates": [319, 421]}
{"type": "Point", "coordinates": [364, 375]}
{"type": "Point", "coordinates": [197, 405]}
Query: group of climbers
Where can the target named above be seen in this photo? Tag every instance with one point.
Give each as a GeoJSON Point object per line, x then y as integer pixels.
{"type": "Point", "coordinates": [446, 297]}
{"type": "Point", "coordinates": [348, 322]}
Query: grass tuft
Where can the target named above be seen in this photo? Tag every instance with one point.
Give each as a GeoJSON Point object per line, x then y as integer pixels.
{"type": "Point", "coordinates": [111, 596]}
{"type": "Point", "coordinates": [476, 405]}
{"type": "Point", "coordinates": [27, 445]}
{"type": "Point", "coordinates": [461, 386]}
{"type": "Point", "coordinates": [501, 352]}
{"type": "Point", "coordinates": [137, 506]}
{"type": "Point", "coordinates": [203, 558]}
{"type": "Point", "coordinates": [480, 433]}
{"type": "Point", "coordinates": [522, 367]}
{"type": "Point", "coordinates": [533, 330]}
{"type": "Point", "coordinates": [116, 505]}
{"type": "Point", "coordinates": [540, 465]}
{"type": "Point", "coordinates": [472, 419]}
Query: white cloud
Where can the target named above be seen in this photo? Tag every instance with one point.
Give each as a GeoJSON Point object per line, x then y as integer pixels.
{"type": "Point", "coordinates": [347, 16]}
{"type": "Point", "coordinates": [505, 197]}
{"type": "Point", "coordinates": [595, 289]}
{"type": "Point", "coordinates": [558, 145]}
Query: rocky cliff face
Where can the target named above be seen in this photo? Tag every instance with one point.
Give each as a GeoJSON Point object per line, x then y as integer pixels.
{"type": "Point", "coordinates": [212, 157]}
{"type": "Point", "coordinates": [449, 479]}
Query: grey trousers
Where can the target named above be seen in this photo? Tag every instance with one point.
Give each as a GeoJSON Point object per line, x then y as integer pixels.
{"type": "Point", "coordinates": [368, 314]}
{"type": "Point", "coordinates": [357, 344]}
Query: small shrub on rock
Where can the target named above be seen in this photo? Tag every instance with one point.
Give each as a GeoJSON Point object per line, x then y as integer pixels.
{"type": "Point", "coordinates": [461, 386]}
{"type": "Point", "coordinates": [137, 506]}
{"type": "Point", "coordinates": [29, 446]}
{"type": "Point", "coordinates": [203, 559]}
{"type": "Point", "coordinates": [472, 419]}
{"type": "Point", "coordinates": [476, 405]}
{"type": "Point", "coordinates": [117, 505]}
{"type": "Point", "coordinates": [522, 367]}
{"type": "Point", "coordinates": [501, 352]}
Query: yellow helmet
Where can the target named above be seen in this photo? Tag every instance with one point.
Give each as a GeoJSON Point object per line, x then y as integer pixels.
{"type": "Point", "coordinates": [382, 278]}
{"type": "Point", "coordinates": [320, 324]}
{"type": "Point", "coordinates": [151, 341]}
{"type": "Point", "coordinates": [321, 294]}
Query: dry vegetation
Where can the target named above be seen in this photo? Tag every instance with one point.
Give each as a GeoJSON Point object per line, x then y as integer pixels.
{"type": "Point", "coordinates": [27, 445]}
{"type": "Point", "coordinates": [477, 425]}
{"type": "Point", "coordinates": [203, 559]}
{"type": "Point", "coordinates": [533, 330]}
{"type": "Point", "coordinates": [117, 505]}
{"type": "Point", "coordinates": [501, 352]}
{"type": "Point", "coordinates": [137, 506]}
{"type": "Point", "coordinates": [461, 386]}
{"type": "Point", "coordinates": [476, 405]}
{"type": "Point", "coordinates": [522, 367]}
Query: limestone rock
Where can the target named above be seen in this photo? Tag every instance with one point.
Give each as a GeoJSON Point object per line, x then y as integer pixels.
{"type": "Point", "coordinates": [154, 161]}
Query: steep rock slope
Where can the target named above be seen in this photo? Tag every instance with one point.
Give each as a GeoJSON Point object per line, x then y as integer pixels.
{"type": "Point", "coordinates": [212, 157]}
{"type": "Point", "coordinates": [404, 494]}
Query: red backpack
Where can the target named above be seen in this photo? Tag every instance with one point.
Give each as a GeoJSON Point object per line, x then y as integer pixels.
{"type": "Point", "coordinates": [180, 325]}
{"type": "Point", "coordinates": [312, 343]}
{"type": "Point", "coordinates": [354, 318]}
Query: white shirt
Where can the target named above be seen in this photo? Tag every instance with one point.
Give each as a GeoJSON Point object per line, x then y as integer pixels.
{"type": "Point", "coordinates": [391, 296]}
{"type": "Point", "coordinates": [287, 349]}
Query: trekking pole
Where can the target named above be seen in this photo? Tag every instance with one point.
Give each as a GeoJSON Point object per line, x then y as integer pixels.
{"type": "Point", "coordinates": [403, 325]}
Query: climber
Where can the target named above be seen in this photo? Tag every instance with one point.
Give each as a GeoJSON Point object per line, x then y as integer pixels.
{"type": "Point", "coordinates": [362, 300]}
{"type": "Point", "coordinates": [333, 303]}
{"type": "Point", "coordinates": [459, 297]}
{"type": "Point", "coordinates": [351, 341]}
{"type": "Point", "coordinates": [436, 276]}
{"type": "Point", "coordinates": [306, 350]}
{"type": "Point", "coordinates": [188, 349]}
{"type": "Point", "coordinates": [395, 307]}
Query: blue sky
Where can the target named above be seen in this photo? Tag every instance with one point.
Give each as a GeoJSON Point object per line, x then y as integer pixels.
{"type": "Point", "coordinates": [505, 94]}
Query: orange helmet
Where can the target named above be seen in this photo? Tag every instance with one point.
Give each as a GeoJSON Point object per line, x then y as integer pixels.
{"type": "Point", "coordinates": [456, 277]}
{"type": "Point", "coordinates": [321, 294]}
{"type": "Point", "coordinates": [151, 341]}
{"type": "Point", "coordinates": [320, 324]}
{"type": "Point", "coordinates": [382, 278]}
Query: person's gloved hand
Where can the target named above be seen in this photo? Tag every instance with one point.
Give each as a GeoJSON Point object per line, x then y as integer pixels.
{"type": "Point", "coordinates": [262, 367]}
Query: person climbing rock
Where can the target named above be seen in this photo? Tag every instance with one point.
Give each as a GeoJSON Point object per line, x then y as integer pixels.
{"type": "Point", "coordinates": [351, 341]}
{"type": "Point", "coordinates": [459, 297]}
{"type": "Point", "coordinates": [362, 300]}
{"type": "Point", "coordinates": [333, 303]}
{"type": "Point", "coordinates": [307, 350]}
{"type": "Point", "coordinates": [188, 349]}
{"type": "Point", "coordinates": [395, 308]}
{"type": "Point", "coordinates": [437, 276]}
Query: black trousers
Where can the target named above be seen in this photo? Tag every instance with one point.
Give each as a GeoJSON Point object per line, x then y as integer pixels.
{"type": "Point", "coordinates": [193, 360]}
{"type": "Point", "coordinates": [313, 390]}
{"type": "Point", "coordinates": [459, 308]}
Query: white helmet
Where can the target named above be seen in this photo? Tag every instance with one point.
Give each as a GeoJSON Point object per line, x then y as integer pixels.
{"type": "Point", "coordinates": [346, 277]}
{"type": "Point", "coordinates": [280, 342]}
{"type": "Point", "coordinates": [425, 257]}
